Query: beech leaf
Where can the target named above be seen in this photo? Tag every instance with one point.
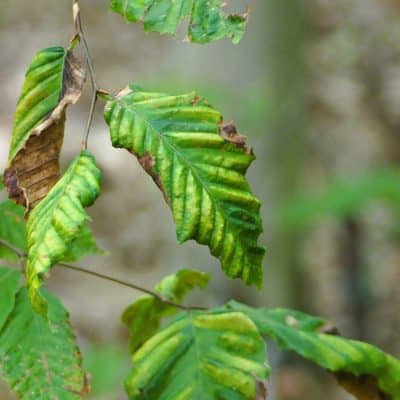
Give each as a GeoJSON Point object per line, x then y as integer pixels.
{"type": "Point", "coordinates": [199, 163]}
{"type": "Point", "coordinates": [53, 81]}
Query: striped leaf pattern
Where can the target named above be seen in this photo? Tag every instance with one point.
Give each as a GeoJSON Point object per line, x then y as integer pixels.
{"type": "Point", "coordinates": [53, 81]}
{"type": "Point", "coordinates": [201, 355]}
{"type": "Point", "coordinates": [59, 222]}
{"type": "Point", "coordinates": [199, 164]}
{"type": "Point", "coordinates": [360, 367]}
{"type": "Point", "coordinates": [208, 22]}
{"type": "Point", "coordinates": [143, 317]}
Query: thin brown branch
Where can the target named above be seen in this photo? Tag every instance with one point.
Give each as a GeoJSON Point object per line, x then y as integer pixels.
{"type": "Point", "coordinates": [87, 271]}
{"type": "Point", "coordinates": [78, 30]}
{"type": "Point", "coordinates": [130, 285]}
{"type": "Point", "coordinates": [13, 248]}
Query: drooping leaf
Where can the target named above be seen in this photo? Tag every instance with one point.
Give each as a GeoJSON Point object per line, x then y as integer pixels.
{"type": "Point", "coordinates": [53, 81]}
{"type": "Point", "coordinates": [201, 355]}
{"type": "Point", "coordinates": [9, 286]}
{"type": "Point", "coordinates": [58, 224]}
{"type": "Point", "coordinates": [144, 316]}
{"type": "Point", "coordinates": [39, 358]}
{"type": "Point", "coordinates": [208, 21]}
{"type": "Point", "coordinates": [12, 229]}
{"type": "Point", "coordinates": [199, 164]}
{"type": "Point", "coordinates": [361, 367]}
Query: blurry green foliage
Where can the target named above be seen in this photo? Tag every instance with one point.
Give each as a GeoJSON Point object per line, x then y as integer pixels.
{"type": "Point", "coordinates": [342, 198]}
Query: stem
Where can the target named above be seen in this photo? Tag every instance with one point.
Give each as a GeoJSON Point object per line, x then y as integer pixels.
{"type": "Point", "coordinates": [78, 28]}
{"type": "Point", "coordinates": [130, 285]}
{"type": "Point", "coordinates": [13, 248]}
{"type": "Point", "coordinates": [164, 300]}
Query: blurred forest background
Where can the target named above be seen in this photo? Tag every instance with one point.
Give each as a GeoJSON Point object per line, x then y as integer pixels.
{"type": "Point", "coordinates": [315, 85]}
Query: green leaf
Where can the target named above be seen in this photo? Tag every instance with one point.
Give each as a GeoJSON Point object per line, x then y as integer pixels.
{"type": "Point", "coordinates": [208, 22]}
{"type": "Point", "coordinates": [57, 227]}
{"type": "Point", "coordinates": [144, 316]}
{"type": "Point", "coordinates": [40, 358]}
{"type": "Point", "coordinates": [298, 332]}
{"type": "Point", "coordinates": [9, 286]}
{"type": "Point", "coordinates": [207, 356]}
{"type": "Point", "coordinates": [12, 229]}
{"type": "Point", "coordinates": [53, 81]}
{"type": "Point", "coordinates": [199, 164]}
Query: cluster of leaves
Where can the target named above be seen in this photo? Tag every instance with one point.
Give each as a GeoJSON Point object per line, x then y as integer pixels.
{"type": "Point", "coordinates": [199, 163]}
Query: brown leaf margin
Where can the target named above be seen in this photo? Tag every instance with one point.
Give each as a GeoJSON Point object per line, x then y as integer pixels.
{"type": "Point", "coordinates": [36, 169]}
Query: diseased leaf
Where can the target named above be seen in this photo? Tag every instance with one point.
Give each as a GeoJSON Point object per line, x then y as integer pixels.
{"type": "Point", "coordinates": [9, 286]}
{"type": "Point", "coordinates": [53, 81]}
{"type": "Point", "coordinates": [12, 229]}
{"type": "Point", "coordinates": [208, 22]}
{"type": "Point", "coordinates": [144, 316]}
{"type": "Point", "coordinates": [39, 358]}
{"type": "Point", "coordinates": [363, 369]}
{"type": "Point", "coordinates": [201, 355]}
{"type": "Point", "coordinates": [57, 225]}
{"type": "Point", "coordinates": [199, 164]}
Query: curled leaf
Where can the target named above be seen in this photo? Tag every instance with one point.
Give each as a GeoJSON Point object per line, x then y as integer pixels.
{"type": "Point", "coordinates": [58, 224]}
{"type": "Point", "coordinates": [53, 81]}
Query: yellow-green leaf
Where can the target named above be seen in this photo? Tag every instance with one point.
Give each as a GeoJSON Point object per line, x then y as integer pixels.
{"type": "Point", "coordinates": [144, 316]}
{"type": "Point", "coordinates": [201, 355]}
{"type": "Point", "coordinates": [358, 365]}
{"type": "Point", "coordinates": [199, 164]}
{"type": "Point", "coordinates": [59, 222]}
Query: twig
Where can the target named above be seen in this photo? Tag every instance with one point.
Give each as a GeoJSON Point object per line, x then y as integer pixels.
{"type": "Point", "coordinates": [164, 300]}
{"type": "Point", "coordinates": [78, 29]}
{"type": "Point", "coordinates": [130, 285]}
{"type": "Point", "coordinates": [13, 248]}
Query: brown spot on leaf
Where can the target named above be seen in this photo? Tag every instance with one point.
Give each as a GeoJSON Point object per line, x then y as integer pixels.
{"type": "Point", "coordinates": [35, 169]}
{"type": "Point", "coordinates": [147, 162]}
{"type": "Point", "coordinates": [230, 134]}
{"type": "Point", "coordinates": [362, 387]}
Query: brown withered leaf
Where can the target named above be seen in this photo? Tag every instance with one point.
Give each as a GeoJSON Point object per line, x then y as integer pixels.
{"type": "Point", "coordinates": [35, 168]}
{"type": "Point", "coordinates": [362, 387]}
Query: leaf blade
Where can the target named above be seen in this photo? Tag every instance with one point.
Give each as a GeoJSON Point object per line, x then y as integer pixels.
{"type": "Point", "coordinates": [9, 286]}
{"type": "Point", "coordinates": [59, 221]}
{"type": "Point", "coordinates": [299, 332]}
{"type": "Point", "coordinates": [199, 164]}
{"type": "Point", "coordinates": [200, 355]}
{"type": "Point", "coordinates": [143, 317]}
{"type": "Point", "coordinates": [208, 22]}
{"type": "Point", "coordinates": [46, 349]}
{"type": "Point", "coordinates": [54, 80]}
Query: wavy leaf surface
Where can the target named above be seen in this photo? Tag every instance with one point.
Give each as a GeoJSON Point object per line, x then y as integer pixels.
{"type": "Point", "coordinates": [208, 356]}
{"type": "Point", "coordinates": [208, 21]}
{"type": "Point", "coordinates": [53, 81]}
{"type": "Point", "coordinates": [361, 368]}
{"type": "Point", "coordinates": [39, 358]}
{"type": "Point", "coordinates": [199, 164]}
{"type": "Point", "coordinates": [143, 317]}
{"type": "Point", "coordinates": [58, 224]}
